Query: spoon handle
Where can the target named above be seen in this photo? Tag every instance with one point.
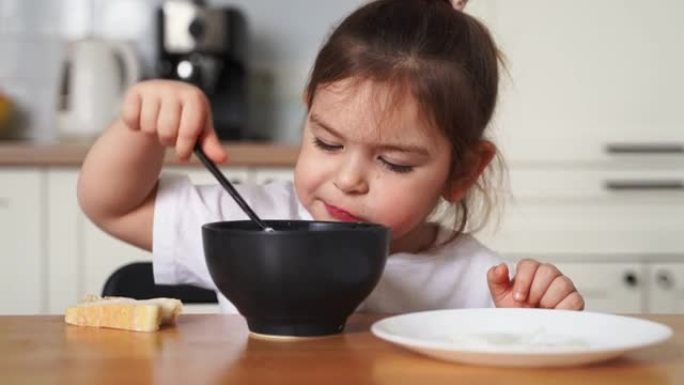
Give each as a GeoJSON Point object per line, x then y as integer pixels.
{"type": "Point", "coordinates": [211, 166]}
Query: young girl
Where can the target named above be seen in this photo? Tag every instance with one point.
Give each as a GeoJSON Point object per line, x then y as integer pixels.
{"type": "Point", "coordinates": [398, 101]}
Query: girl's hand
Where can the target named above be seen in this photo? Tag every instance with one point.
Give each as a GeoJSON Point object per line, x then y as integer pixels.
{"type": "Point", "coordinates": [178, 114]}
{"type": "Point", "coordinates": [534, 285]}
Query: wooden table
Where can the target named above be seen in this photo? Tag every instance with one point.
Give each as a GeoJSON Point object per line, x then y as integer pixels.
{"type": "Point", "coordinates": [217, 349]}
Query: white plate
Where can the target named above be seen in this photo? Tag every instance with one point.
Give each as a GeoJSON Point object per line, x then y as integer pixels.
{"type": "Point", "coordinates": [520, 337]}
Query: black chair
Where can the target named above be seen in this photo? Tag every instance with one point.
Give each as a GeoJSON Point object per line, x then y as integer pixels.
{"type": "Point", "coordinates": [136, 280]}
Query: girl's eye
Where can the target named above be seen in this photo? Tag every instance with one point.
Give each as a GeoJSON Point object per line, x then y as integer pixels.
{"type": "Point", "coordinates": [399, 169]}
{"type": "Point", "coordinates": [326, 146]}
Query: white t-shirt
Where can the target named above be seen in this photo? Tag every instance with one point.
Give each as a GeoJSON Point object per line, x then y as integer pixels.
{"type": "Point", "coordinates": [445, 277]}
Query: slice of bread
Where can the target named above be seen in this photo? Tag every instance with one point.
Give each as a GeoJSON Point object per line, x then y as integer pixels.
{"type": "Point", "coordinates": [124, 313]}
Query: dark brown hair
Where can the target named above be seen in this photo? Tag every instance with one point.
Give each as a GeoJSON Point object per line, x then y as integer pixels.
{"type": "Point", "coordinates": [446, 58]}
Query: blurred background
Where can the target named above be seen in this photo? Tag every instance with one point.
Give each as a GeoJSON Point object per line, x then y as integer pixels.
{"type": "Point", "coordinates": [274, 41]}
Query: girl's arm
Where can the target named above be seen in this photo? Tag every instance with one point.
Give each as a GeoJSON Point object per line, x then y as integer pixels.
{"type": "Point", "coordinates": [119, 176]}
{"type": "Point", "coordinates": [117, 184]}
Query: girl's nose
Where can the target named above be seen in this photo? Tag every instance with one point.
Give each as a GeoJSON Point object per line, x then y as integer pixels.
{"type": "Point", "coordinates": [351, 178]}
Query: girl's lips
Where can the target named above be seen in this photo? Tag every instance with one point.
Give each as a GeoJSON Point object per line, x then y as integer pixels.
{"type": "Point", "coordinates": [340, 214]}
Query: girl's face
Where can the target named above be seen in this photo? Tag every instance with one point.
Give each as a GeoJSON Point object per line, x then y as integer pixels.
{"type": "Point", "coordinates": [368, 157]}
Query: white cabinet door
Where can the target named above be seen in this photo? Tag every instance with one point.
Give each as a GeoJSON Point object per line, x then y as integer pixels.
{"type": "Point", "coordinates": [22, 232]}
{"type": "Point", "coordinates": [64, 241]}
{"type": "Point", "coordinates": [81, 256]}
{"type": "Point", "coordinates": [666, 288]}
{"type": "Point", "coordinates": [600, 210]}
{"type": "Point", "coordinates": [609, 287]}
{"type": "Point", "coordinates": [585, 73]}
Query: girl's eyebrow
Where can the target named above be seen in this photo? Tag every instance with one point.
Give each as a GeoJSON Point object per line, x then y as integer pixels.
{"type": "Point", "coordinates": [316, 120]}
{"type": "Point", "coordinates": [408, 148]}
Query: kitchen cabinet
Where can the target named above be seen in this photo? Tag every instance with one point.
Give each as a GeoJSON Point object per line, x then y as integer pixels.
{"type": "Point", "coordinates": [82, 256]}
{"type": "Point", "coordinates": [583, 75]}
{"type": "Point", "coordinates": [666, 294]}
{"type": "Point", "coordinates": [608, 228]}
{"type": "Point", "coordinates": [609, 287]}
{"type": "Point", "coordinates": [589, 125]}
{"type": "Point", "coordinates": [22, 236]}
{"type": "Point", "coordinates": [644, 284]}
{"type": "Point", "coordinates": [548, 210]}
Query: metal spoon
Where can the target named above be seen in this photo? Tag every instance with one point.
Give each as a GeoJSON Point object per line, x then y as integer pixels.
{"type": "Point", "coordinates": [211, 166]}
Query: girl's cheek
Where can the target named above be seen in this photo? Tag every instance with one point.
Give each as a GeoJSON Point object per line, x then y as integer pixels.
{"type": "Point", "coordinates": [400, 225]}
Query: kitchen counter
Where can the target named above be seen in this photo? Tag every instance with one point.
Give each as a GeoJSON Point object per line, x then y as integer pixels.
{"type": "Point", "coordinates": [217, 349]}
{"type": "Point", "coordinates": [242, 154]}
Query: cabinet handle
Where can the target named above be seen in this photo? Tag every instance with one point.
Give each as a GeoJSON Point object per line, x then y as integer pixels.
{"type": "Point", "coordinates": [644, 148]}
{"type": "Point", "coordinates": [631, 185]}
{"type": "Point", "coordinates": [664, 280]}
{"type": "Point", "coordinates": [630, 278]}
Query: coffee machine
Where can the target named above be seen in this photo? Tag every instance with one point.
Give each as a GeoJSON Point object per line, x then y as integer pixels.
{"type": "Point", "coordinates": [207, 46]}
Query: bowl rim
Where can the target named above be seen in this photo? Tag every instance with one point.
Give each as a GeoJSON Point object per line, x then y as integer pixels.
{"type": "Point", "coordinates": [220, 227]}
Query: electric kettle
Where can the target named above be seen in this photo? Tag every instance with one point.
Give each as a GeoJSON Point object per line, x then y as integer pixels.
{"type": "Point", "coordinates": [95, 76]}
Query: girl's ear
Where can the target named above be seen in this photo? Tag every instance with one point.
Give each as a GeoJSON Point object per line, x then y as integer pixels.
{"type": "Point", "coordinates": [481, 157]}
{"type": "Point", "coordinates": [305, 96]}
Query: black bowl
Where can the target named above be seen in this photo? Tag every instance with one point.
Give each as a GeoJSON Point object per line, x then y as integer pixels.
{"type": "Point", "coordinates": [303, 279]}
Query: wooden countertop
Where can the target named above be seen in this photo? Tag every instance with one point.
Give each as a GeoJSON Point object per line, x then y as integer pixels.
{"type": "Point", "coordinates": [244, 154]}
{"type": "Point", "coordinates": [213, 349]}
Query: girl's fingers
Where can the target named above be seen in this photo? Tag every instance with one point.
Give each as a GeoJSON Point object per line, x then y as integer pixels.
{"type": "Point", "coordinates": [149, 114]}
{"type": "Point", "coordinates": [194, 118]}
{"type": "Point", "coordinates": [560, 288]}
{"type": "Point", "coordinates": [525, 272]}
{"type": "Point", "coordinates": [498, 281]}
{"type": "Point", "coordinates": [130, 112]}
{"type": "Point", "coordinates": [545, 274]}
{"type": "Point", "coordinates": [212, 147]}
{"type": "Point", "coordinates": [211, 143]}
{"type": "Point", "coordinates": [574, 301]}
{"type": "Point", "coordinates": [168, 121]}
{"type": "Point", "coordinates": [179, 115]}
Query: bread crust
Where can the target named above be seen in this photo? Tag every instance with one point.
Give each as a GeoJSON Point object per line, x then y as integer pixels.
{"type": "Point", "coordinates": [124, 313]}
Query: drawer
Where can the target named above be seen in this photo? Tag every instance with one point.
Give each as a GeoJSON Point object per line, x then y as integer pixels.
{"type": "Point", "coordinates": [22, 233]}
{"type": "Point", "coordinates": [609, 287]}
{"type": "Point", "coordinates": [587, 227]}
{"type": "Point", "coordinates": [547, 210]}
{"type": "Point", "coordinates": [610, 184]}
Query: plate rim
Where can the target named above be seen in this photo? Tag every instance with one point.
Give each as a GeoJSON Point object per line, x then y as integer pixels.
{"type": "Point", "coordinates": [564, 351]}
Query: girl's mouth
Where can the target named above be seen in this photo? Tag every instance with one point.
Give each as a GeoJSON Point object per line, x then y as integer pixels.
{"type": "Point", "coordinates": [340, 214]}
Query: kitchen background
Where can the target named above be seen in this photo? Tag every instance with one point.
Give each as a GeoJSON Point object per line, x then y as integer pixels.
{"type": "Point", "coordinates": [283, 37]}
{"type": "Point", "coordinates": [589, 123]}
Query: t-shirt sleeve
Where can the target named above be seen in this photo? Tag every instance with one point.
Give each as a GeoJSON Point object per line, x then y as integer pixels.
{"type": "Point", "coordinates": [180, 211]}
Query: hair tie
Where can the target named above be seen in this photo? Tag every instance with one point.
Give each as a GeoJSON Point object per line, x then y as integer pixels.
{"type": "Point", "coordinates": [459, 4]}
{"type": "Point", "coordinates": [456, 4]}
